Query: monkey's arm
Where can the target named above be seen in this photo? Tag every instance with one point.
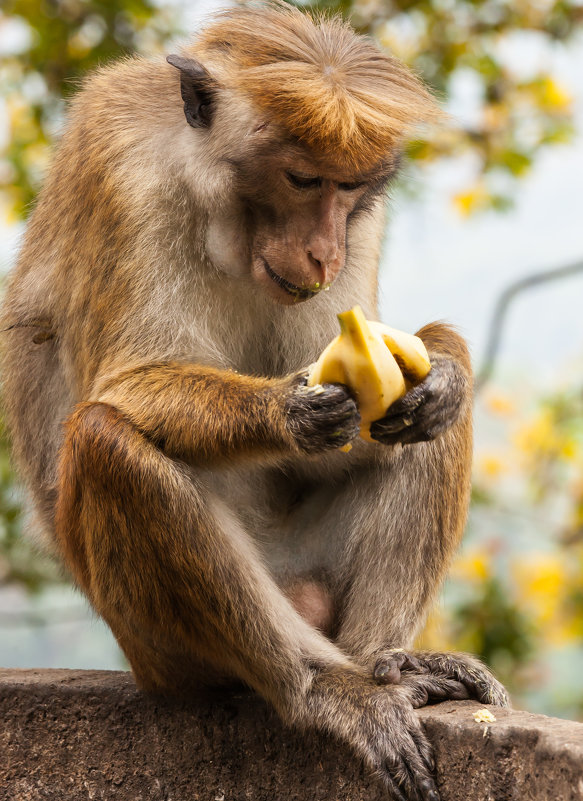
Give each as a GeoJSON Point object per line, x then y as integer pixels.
{"type": "Point", "coordinates": [202, 414]}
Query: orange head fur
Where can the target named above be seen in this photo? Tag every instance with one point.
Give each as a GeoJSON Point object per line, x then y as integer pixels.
{"type": "Point", "coordinates": [332, 89]}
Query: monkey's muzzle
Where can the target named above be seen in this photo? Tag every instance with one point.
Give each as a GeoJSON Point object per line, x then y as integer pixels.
{"type": "Point", "coordinates": [297, 292]}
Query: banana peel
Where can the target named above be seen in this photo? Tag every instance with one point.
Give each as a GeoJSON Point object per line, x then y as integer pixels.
{"type": "Point", "coordinates": [378, 363]}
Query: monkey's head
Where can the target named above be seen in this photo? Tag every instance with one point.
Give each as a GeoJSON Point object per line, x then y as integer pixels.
{"type": "Point", "coordinates": [303, 121]}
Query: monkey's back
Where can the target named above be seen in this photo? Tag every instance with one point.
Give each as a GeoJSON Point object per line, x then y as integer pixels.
{"type": "Point", "coordinates": [64, 287]}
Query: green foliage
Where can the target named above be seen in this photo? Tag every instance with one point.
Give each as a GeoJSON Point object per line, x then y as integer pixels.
{"type": "Point", "coordinates": [67, 38]}
{"type": "Point", "coordinates": [19, 562]}
{"type": "Point", "coordinates": [445, 39]}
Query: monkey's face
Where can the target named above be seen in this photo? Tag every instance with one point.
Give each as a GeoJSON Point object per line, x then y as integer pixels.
{"type": "Point", "coordinates": [298, 218]}
{"type": "Point", "coordinates": [283, 214]}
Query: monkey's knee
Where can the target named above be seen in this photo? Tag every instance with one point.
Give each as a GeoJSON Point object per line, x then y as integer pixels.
{"type": "Point", "coordinates": [96, 431]}
{"type": "Point", "coordinates": [103, 476]}
{"type": "Point", "coordinates": [102, 448]}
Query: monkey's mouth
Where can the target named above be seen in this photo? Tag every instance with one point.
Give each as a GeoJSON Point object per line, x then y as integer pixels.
{"type": "Point", "coordinates": [297, 292]}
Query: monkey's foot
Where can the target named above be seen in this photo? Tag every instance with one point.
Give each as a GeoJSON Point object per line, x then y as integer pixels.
{"type": "Point", "coordinates": [380, 725]}
{"type": "Point", "coordinates": [433, 676]}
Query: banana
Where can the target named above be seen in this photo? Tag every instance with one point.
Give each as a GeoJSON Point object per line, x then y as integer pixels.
{"type": "Point", "coordinates": [408, 350]}
{"type": "Point", "coordinates": [370, 358]}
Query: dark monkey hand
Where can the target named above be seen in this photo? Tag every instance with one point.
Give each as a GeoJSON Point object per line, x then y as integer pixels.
{"type": "Point", "coordinates": [321, 417]}
{"type": "Point", "coordinates": [432, 676]}
{"type": "Point", "coordinates": [428, 409]}
{"type": "Point", "coordinates": [380, 724]}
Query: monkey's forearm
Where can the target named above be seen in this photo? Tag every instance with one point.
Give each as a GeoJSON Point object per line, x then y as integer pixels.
{"type": "Point", "coordinates": [197, 412]}
{"type": "Point", "coordinates": [415, 506]}
{"type": "Point", "coordinates": [202, 414]}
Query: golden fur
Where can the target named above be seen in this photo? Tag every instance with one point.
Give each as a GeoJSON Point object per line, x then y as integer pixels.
{"type": "Point", "coordinates": [335, 91]}
{"type": "Point", "coordinates": [176, 464]}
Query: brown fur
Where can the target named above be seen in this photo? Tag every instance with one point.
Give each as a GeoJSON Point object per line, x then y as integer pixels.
{"type": "Point", "coordinates": [333, 90]}
{"type": "Point", "coordinates": [155, 389]}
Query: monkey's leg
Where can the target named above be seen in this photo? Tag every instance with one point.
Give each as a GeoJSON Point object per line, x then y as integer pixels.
{"type": "Point", "coordinates": [401, 537]}
{"type": "Point", "coordinates": [413, 506]}
{"type": "Point", "coordinates": [181, 586]}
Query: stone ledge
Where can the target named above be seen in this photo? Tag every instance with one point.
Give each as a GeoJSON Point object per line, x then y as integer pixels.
{"type": "Point", "coordinates": [73, 735]}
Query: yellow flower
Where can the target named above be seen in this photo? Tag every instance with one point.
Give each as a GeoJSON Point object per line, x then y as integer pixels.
{"type": "Point", "coordinates": [542, 437]}
{"type": "Point", "coordinates": [490, 465]}
{"type": "Point", "coordinates": [22, 125]}
{"type": "Point", "coordinates": [501, 404]}
{"type": "Point", "coordinates": [474, 566]}
{"type": "Point", "coordinates": [542, 582]}
{"type": "Point", "coordinates": [551, 95]}
{"type": "Point", "coordinates": [539, 435]}
{"type": "Point", "coordinates": [473, 200]}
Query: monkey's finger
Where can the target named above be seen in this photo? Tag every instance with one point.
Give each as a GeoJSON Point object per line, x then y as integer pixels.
{"type": "Point", "coordinates": [388, 667]}
{"type": "Point", "coordinates": [393, 788]}
{"type": "Point", "coordinates": [430, 689]}
{"type": "Point", "coordinates": [405, 436]}
{"type": "Point", "coordinates": [482, 686]}
{"type": "Point", "coordinates": [440, 689]}
{"type": "Point", "coordinates": [475, 677]}
{"type": "Point", "coordinates": [323, 395]}
{"type": "Point", "coordinates": [410, 401]}
{"type": "Point", "coordinates": [409, 769]}
{"type": "Point", "coordinates": [300, 379]}
{"type": "Point", "coordinates": [424, 749]}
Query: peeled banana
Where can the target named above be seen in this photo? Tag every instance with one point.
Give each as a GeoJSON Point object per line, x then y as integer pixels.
{"type": "Point", "coordinates": [370, 358]}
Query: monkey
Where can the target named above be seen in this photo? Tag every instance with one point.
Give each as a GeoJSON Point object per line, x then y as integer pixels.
{"type": "Point", "coordinates": [204, 220]}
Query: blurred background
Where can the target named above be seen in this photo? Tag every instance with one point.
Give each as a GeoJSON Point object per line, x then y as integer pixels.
{"type": "Point", "coordinates": [485, 230]}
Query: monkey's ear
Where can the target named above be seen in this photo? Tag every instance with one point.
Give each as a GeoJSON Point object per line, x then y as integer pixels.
{"type": "Point", "coordinates": [197, 88]}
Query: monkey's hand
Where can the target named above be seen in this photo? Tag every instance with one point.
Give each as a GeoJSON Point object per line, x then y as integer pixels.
{"type": "Point", "coordinates": [428, 409]}
{"type": "Point", "coordinates": [321, 417]}
{"type": "Point", "coordinates": [432, 676]}
{"type": "Point", "coordinates": [381, 726]}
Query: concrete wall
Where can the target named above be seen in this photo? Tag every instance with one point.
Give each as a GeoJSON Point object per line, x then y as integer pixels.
{"type": "Point", "coordinates": [74, 735]}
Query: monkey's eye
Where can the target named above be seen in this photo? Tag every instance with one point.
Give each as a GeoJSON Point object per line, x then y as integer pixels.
{"type": "Point", "coordinates": [346, 187]}
{"type": "Point", "coordinates": [301, 182]}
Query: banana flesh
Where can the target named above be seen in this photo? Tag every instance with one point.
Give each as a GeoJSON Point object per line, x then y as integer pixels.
{"type": "Point", "coordinates": [373, 360]}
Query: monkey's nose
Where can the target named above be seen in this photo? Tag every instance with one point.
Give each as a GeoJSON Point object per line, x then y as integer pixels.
{"type": "Point", "coordinates": [326, 264]}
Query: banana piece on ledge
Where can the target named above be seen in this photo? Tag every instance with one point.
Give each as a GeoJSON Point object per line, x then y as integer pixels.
{"type": "Point", "coordinates": [376, 362]}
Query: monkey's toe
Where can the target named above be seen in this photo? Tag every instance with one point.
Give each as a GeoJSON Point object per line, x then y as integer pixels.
{"type": "Point", "coordinates": [468, 671]}
{"type": "Point", "coordinates": [388, 667]}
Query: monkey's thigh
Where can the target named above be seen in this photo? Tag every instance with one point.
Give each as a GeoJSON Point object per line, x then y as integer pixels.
{"type": "Point", "coordinates": [163, 562]}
